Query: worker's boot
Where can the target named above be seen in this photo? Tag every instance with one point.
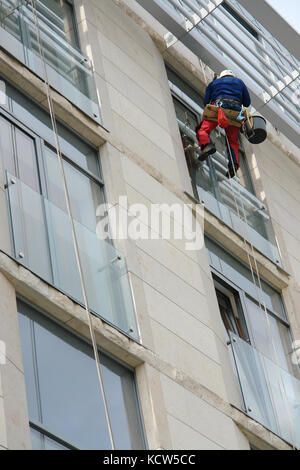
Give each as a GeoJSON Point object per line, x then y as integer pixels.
{"type": "Point", "coordinates": [231, 173]}
{"type": "Point", "coordinates": [208, 150]}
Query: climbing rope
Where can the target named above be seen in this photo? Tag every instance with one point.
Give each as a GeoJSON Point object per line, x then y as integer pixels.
{"type": "Point", "coordinates": [74, 237]}
{"type": "Point", "coordinates": [261, 301]}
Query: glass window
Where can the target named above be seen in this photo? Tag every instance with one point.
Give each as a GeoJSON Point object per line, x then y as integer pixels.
{"type": "Point", "coordinates": [189, 106]}
{"type": "Point", "coordinates": [63, 392]}
{"type": "Point", "coordinates": [26, 111]}
{"type": "Point", "coordinates": [270, 337]}
{"type": "Point", "coordinates": [241, 276]}
{"type": "Point", "coordinates": [185, 115]}
{"type": "Point", "coordinates": [41, 230]}
{"type": "Point", "coordinates": [61, 14]}
{"type": "Point", "coordinates": [38, 204]}
{"type": "Point", "coordinates": [84, 202]}
{"type": "Point", "coordinates": [238, 300]}
{"type": "Point", "coordinates": [233, 201]}
{"type": "Point", "coordinates": [26, 158]}
{"type": "Point", "coordinates": [6, 146]}
{"type": "Point", "coordinates": [231, 310]}
{"type": "Point", "coordinates": [267, 375]}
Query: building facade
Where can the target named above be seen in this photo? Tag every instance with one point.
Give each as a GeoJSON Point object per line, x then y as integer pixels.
{"type": "Point", "coordinates": [198, 348]}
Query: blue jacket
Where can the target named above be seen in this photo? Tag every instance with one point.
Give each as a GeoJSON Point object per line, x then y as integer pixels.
{"type": "Point", "coordinates": [228, 87]}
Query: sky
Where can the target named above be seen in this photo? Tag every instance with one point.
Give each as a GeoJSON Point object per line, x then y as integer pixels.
{"type": "Point", "coordinates": [289, 10]}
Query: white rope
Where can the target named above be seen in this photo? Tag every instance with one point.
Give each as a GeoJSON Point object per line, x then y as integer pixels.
{"type": "Point", "coordinates": [261, 299]}
{"type": "Point", "coordinates": [75, 241]}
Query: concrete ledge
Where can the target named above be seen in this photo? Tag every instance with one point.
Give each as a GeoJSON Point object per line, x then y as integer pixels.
{"type": "Point", "coordinates": [65, 310]}
{"type": "Point", "coordinates": [20, 76]}
{"type": "Point", "coordinates": [234, 243]}
{"type": "Point", "coordinates": [72, 315]}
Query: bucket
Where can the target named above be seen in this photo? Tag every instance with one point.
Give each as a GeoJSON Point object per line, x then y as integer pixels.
{"type": "Point", "coordinates": [258, 133]}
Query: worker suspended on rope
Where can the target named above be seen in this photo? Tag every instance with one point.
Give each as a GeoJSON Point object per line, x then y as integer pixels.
{"type": "Point", "coordinates": [226, 92]}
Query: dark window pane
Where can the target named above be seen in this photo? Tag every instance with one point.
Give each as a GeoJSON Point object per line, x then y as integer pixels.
{"type": "Point", "coordinates": [85, 194]}
{"type": "Point", "coordinates": [70, 396]}
{"type": "Point", "coordinates": [241, 276]}
{"type": "Point", "coordinates": [25, 325]}
{"type": "Point", "coordinates": [26, 160]}
{"type": "Point", "coordinates": [270, 337]}
{"type": "Point", "coordinates": [240, 19]}
{"type": "Point", "coordinates": [62, 16]}
{"type": "Point", "coordinates": [71, 402]}
{"type": "Point", "coordinates": [121, 396]}
{"type": "Point", "coordinates": [73, 147]}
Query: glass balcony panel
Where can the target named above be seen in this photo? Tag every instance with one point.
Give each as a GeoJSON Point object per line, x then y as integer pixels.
{"type": "Point", "coordinates": [241, 276]}
{"type": "Point", "coordinates": [233, 201]}
{"type": "Point", "coordinates": [253, 383]}
{"type": "Point", "coordinates": [30, 238]}
{"type": "Point", "coordinates": [206, 188]}
{"type": "Point", "coordinates": [43, 242]}
{"type": "Point", "coordinates": [246, 215]}
{"type": "Point", "coordinates": [61, 15]}
{"type": "Point", "coordinates": [267, 332]}
{"type": "Point", "coordinates": [271, 394]}
{"type": "Point", "coordinates": [236, 206]}
{"type": "Point", "coordinates": [10, 28]}
{"type": "Point", "coordinates": [68, 71]}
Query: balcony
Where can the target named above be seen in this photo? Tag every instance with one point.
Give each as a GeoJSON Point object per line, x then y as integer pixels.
{"type": "Point", "coordinates": [42, 241]}
{"type": "Point", "coordinates": [68, 71]}
{"type": "Point", "coordinates": [271, 394]}
{"type": "Point", "coordinates": [231, 202]}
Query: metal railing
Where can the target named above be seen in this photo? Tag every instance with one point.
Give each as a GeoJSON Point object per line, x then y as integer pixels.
{"type": "Point", "coordinates": [271, 394]}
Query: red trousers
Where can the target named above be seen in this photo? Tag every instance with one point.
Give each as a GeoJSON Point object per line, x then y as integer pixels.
{"type": "Point", "coordinates": [232, 133]}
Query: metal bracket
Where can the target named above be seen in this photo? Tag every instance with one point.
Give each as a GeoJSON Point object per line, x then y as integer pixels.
{"type": "Point", "coordinates": [11, 182]}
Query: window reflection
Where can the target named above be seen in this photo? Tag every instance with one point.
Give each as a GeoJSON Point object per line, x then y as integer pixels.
{"type": "Point", "coordinates": [63, 390]}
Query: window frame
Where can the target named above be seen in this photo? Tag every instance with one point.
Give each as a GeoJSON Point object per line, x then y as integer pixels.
{"type": "Point", "coordinates": [74, 23]}
{"type": "Point", "coordinates": [229, 290]}
{"type": "Point", "coordinates": [41, 141]}
{"type": "Point", "coordinates": [242, 294]}
{"type": "Point", "coordinates": [40, 427]}
{"type": "Point", "coordinates": [195, 108]}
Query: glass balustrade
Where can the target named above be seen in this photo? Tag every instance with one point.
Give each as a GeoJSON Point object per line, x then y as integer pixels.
{"type": "Point", "coordinates": [231, 202]}
{"type": "Point", "coordinates": [271, 394]}
{"type": "Point", "coordinates": [68, 71]}
{"type": "Point", "coordinates": [42, 241]}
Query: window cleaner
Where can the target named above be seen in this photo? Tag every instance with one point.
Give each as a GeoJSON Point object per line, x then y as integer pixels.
{"type": "Point", "coordinates": [229, 94]}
